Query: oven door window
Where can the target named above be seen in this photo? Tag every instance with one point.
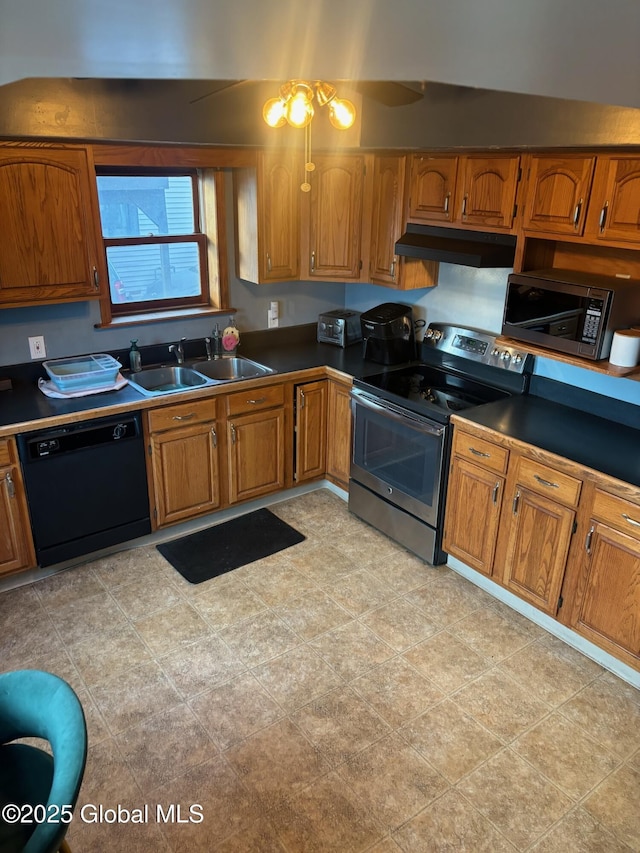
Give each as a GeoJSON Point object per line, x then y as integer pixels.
{"type": "Point", "coordinates": [399, 457]}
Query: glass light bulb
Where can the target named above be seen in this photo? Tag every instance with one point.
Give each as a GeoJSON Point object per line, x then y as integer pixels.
{"type": "Point", "coordinates": [299, 110]}
{"type": "Point", "coordinates": [342, 113]}
{"type": "Point", "coordinates": [273, 112]}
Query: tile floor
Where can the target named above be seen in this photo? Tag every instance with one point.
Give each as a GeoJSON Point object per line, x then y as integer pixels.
{"type": "Point", "coordinates": [338, 696]}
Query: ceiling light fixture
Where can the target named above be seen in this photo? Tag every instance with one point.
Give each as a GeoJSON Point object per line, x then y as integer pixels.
{"type": "Point", "coordinates": [294, 106]}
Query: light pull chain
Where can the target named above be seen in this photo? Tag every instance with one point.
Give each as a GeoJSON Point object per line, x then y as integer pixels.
{"type": "Point", "coordinates": [305, 186]}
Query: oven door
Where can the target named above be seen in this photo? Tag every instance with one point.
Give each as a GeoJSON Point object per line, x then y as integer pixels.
{"type": "Point", "coordinates": [398, 455]}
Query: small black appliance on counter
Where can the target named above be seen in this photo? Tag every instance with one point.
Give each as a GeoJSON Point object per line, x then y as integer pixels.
{"type": "Point", "coordinates": [387, 334]}
{"type": "Point", "coordinates": [339, 327]}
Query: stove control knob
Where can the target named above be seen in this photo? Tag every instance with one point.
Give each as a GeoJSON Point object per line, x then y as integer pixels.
{"type": "Point", "coordinates": [428, 334]}
{"type": "Point", "coordinates": [495, 351]}
{"type": "Point", "coordinates": [505, 355]}
{"type": "Point", "coordinates": [517, 358]}
{"type": "Point", "coordinates": [437, 334]}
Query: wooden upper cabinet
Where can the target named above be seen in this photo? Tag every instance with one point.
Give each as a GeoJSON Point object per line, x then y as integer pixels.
{"type": "Point", "coordinates": [268, 217]}
{"type": "Point", "coordinates": [50, 226]}
{"type": "Point", "coordinates": [486, 190]}
{"type": "Point", "coordinates": [335, 221]}
{"type": "Point", "coordinates": [387, 217]}
{"type": "Point", "coordinates": [432, 187]}
{"type": "Point", "coordinates": [557, 193]}
{"type": "Point", "coordinates": [466, 190]}
{"type": "Point", "coordinates": [614, 209]}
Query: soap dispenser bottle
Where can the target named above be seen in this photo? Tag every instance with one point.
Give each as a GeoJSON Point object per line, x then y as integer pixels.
{"type": "Point", "coordinates": [135, 358]}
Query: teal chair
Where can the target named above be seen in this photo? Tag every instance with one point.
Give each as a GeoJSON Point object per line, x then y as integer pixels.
{"type": "Point", "coordinates": [36, 704]}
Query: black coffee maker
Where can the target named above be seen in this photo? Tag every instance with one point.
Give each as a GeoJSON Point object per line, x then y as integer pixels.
{"type": "Point", "coordinates": [387, 334]}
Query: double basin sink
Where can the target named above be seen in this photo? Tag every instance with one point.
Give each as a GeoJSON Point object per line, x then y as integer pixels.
{"type": "Point", "coordinates": [157, 381]}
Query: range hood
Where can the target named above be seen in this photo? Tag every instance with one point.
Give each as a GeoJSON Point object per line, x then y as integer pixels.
{"type": "Point", "coordinates": [455, 246]}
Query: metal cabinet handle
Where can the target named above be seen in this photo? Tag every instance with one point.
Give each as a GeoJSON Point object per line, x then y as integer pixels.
{"type": "Point", "coordinates": [96, 279]}
{"type": "Point", "coordinates": [479, 453]}
{"type": "Point", "coordinates": [258, 401]}
{"type": "Point", "coordinates": [546, 482]}
{"type": "Point", "coordinates": [313, 261]}
{"type": "Point", "coordinates": [392, 268]}
{"type": "Point", "coordinates": [587, 541]}
{"type": "Point", "coordinates": [603, 216]}
{"type": "Point", "coordinates": [233, 433]}
{"type": "Point", "coordinates": [184, 417]}
{"type": "Point", "coordinates": [576, 213]}
{"type": "Point", "coordinates": [301, 399]}
{"type": "Point", "coordinates": [447, 198]}
{"type": "Point", "coordinates": [494, 494]}
{"type": "Point", "coordinates": [630, 520]}
{"type": "Point", "coordinates": [11, 489]}
{"type": "Point", "coordinates": [214, 437]}
{"type": "Point", "coordinates": [516, 501]}
{"type": "Point", "coordinates": [268, 262]}
{"type": "Point", "coordinates": [464, 205]}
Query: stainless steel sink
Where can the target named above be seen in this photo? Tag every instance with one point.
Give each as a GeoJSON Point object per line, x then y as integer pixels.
{"type": "Point", "coordinates": [233, 367]}
{"type": "Point", "coordinates": [156, 381]}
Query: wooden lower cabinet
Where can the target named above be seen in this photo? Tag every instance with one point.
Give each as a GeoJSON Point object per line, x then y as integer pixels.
{"type": "Point", "coordinates": [473, 512]}
{"type": "Point", "coordinates": [339, 432]}
{"type": "Point", "coordinates": [183, 445]}
{"type": "Point", "coordinates": [607, 599]}
{"type": "Point", "coordinates": [311, 431]}
{"type": "Point", "coordinates": [16, 544]}
{"type": "Point", "coordinates": [256, 454]}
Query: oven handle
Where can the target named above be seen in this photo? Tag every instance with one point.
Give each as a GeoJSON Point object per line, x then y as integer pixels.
{"type": "Point", "coordinates": [395, 413]}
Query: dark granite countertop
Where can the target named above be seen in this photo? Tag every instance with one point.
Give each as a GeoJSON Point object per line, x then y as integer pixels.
{"type": "Point", "coordinates": [590, 440]}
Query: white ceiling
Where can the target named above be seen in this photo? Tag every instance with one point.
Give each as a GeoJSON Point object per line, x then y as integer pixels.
{"type": "Point", "coordinates": [575, 49]}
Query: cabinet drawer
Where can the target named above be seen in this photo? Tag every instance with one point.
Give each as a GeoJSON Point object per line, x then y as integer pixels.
{"type": "Point", "coordinates": [619, 513]}
{"type": "Point", "coordinates": [184, 414]}
{"type": "Point", "coordinates": [482, 452]}
{"type": "Point", "coordinates": [255, 399]}
{"type": "Point", "coordinates": [548, 482]}
{"type": "Point", "coordinates": [5, 452]}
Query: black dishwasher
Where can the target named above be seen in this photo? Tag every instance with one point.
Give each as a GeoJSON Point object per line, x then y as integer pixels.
{"type": "Point", "coordinates": [86, 486]}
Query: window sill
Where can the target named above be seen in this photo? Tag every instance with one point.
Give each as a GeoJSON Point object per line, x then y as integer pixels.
{"type": "Point", "coordinates": [164, 316]}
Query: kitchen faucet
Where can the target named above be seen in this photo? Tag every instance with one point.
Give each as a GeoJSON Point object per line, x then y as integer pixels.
{"type": "Point", "coordinates": [179, 350]}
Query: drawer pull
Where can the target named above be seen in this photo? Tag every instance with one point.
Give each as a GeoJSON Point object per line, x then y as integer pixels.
{"type": "Point", "coordinates": [587, 541]}
{"type": "Point", "coordinates": [479, 453]}
{"type": "Point", "coordinates": [516, 501]}
{"type": "Point", "coordinates": [494, 493]}
{"type": "Point", "coordinates": [630, 520]}
{"type": "Point", "coordinates": [11, 489]}
{"type": "Point", "coordinates": [184, 417]}
{"type": "Point", "coordinates": [547, 483]}
{"type": "Point", "coordinates": [258, 401]}
{"type": "Point", "coordinates": [214, 437]}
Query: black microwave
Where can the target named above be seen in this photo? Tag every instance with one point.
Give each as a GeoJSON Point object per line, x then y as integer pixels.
{"type": "Point", "coordinates": [569, 311]}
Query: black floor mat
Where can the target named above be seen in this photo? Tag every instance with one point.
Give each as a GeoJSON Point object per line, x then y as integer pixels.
{"type": "Point", "coordinates": [216, 550]}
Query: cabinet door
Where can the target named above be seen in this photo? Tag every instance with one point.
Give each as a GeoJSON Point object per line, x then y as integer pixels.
{"type": "Point", "coordinates": [311, 430]}
{"type": "Point", "coordinates": [339, 433]}
{"type": "Point", "coordinates": [432, 188]}
{"type": "Point", "coordinates": [47, 210]}
{"type": "Point", "coordinates": [614, 210]}
{"type": "Point", "coordinates": [487, 190]}
{"type": "Point", "coordinates": [539, 535]}
{"type": "Point", "coordinates": [279, 174]}
{"type": "Point", "coordinates": [16, 545]}
{"type": "Point", "coordinates": [557, 193]}
{"type": "Point", "coordinates": [609, 607]}
{"type": "Point", "coordinates": [256, 454]}
{"type": "Point", "coordinates": [335, 228]}
{"type": "Point", "coordinates": [388, 218]}
{"type": "Point", "coordinates": [185, 473]}
{"type": "Point", "coordinates": [474, 500]}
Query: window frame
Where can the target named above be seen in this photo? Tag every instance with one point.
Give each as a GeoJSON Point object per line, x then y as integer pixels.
{"type": "Point", "coordinates": [123, 310]}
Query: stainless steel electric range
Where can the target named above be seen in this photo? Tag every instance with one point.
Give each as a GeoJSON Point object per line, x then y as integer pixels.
{"type": "Point", "coordinates": [402, 436]}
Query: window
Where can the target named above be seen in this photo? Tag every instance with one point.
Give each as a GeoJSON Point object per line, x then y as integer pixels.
{"type": "Point", "coordinates": [156, 249]}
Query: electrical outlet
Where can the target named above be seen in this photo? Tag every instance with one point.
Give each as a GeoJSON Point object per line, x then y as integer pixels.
{"type": "Point", "coordinates": [37, 348]}
{"type": "Point", "coordinates": [272, 322]}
